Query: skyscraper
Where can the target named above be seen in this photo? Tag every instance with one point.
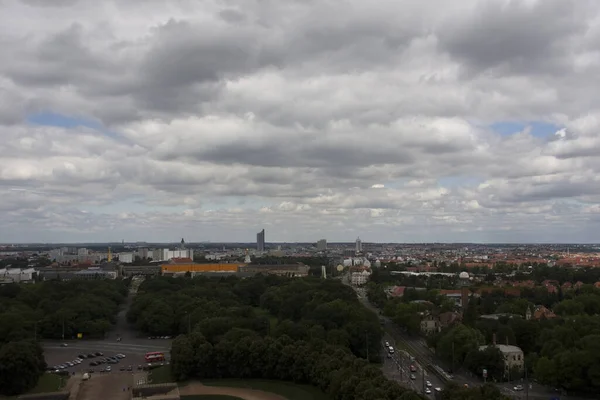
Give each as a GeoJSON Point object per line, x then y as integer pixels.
{"type": "Point", "coordinates": [260, 241]}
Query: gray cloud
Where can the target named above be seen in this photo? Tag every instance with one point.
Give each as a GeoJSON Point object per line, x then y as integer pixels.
{"type": "Point", "coordinates": [221, 117]}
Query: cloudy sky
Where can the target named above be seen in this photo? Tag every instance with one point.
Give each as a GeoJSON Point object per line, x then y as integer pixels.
{"type": "Point", "coordinates": [391, 120]}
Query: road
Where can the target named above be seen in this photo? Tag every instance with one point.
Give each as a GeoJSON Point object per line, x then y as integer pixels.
{"type": "Point", "coordinates": [397, 367]}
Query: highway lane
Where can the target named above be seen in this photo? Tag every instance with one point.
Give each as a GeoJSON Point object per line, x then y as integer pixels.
{"type": "Point", "coordinates": [401, 360]}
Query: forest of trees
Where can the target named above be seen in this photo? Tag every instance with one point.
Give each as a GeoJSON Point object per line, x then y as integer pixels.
{"type": "Point", "coordinates": [303, 330]}
{"type": "Point", "coordinates": [302, 309]}
{"type": "Point", "coordinates": [42, 309]}
{"type": "Point", "coordinates": [37, 311]}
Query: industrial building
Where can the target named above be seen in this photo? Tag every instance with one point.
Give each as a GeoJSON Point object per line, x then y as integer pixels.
{"type": "Point", "coordinates": [176, 268]}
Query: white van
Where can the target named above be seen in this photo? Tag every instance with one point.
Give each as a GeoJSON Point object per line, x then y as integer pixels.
{"type": "Point", "coordinates": [391, 350]}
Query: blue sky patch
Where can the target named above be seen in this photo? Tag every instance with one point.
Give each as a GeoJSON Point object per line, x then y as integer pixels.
{"type": "Point", "coordinates": [67, 122]}
{"type": "Point", "coordinates": [62, 121]}
{"type": "Point", "coordinates": [538, 128]}
{"type": "Point", "coordinates": [456, 181]}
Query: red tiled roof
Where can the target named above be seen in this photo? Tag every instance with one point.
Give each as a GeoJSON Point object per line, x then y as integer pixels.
{"type": "Point", "coordinates": [446, 292]}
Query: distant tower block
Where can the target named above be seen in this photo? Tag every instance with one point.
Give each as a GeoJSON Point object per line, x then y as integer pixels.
{"type": "Point", "coordinates": [358, 245]}
{"type": "Point", "coordinates": [182, 244]}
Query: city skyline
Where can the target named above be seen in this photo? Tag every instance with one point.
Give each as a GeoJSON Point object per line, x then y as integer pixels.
{"type": "Point", "coordinates": [404, 121]}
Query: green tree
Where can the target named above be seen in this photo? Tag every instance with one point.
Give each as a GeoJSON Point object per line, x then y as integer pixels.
{"type": "Point", "coordinates": [454, 345]}
{"type": "Point", "coordinates": [21, 365]}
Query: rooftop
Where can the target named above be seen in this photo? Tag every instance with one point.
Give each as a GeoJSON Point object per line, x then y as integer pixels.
{"type": "Point", "coordinates": [504, 348]}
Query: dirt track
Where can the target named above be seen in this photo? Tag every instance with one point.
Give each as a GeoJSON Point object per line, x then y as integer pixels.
{"type": "Point", "coordinates": [242, 393]}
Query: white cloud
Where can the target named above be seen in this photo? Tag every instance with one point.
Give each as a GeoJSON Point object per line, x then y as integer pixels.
{"type": "Point", "coordinates": [213, 120]}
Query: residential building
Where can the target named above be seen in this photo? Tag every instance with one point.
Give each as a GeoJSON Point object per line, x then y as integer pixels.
{"type": "Point", "coordinates": [322, 245]}
{"type": "Point", "coordinates": [166, 254]}
{"type": "Point", "coordinates": [430, 325]}
{"type": "Point", "coordinates": [16, 275]}
{"type": "Point", "coordinates": [144, 253]}
{"type": "Point", "coordinates": [360, 278]}
{"type": "Point", "coordinates": [513, 356]}
{"type": "Point", "coordinates": [126, 258]}
{"type": "Point", "coordinates": [260, 241]}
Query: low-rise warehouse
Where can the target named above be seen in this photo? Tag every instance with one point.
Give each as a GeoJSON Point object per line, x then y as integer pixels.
{"type": "Point", "coordinates": [182, 268]}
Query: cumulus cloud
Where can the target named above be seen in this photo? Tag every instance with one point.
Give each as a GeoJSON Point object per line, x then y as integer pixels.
{"type": "Point", "coordinates": [212, 120]}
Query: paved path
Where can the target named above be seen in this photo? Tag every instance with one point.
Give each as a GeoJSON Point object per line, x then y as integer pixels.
{"type": "Point", "coordinates": [196, 388]}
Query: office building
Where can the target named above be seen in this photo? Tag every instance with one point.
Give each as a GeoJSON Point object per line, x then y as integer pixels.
{"type": "Point", "coordinates": [260, 241]}
{"type": "Point", "coordinates": [358, 245]}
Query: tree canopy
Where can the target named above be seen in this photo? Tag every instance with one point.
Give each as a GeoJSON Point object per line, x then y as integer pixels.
{"type": "Point", "coordinates": [41, 309]}
{"type": "Point", "coordinates": [21, 365]}
{"type": "Point", "coordinates": [304, 330]}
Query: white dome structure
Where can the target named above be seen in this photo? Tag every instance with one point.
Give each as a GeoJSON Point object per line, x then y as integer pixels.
{"type": "Point", "coordinates": [463, 275]}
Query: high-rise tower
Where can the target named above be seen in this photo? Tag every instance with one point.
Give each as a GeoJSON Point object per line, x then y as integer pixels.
{"type": "Point", "coordinates": [260, 241]}
{"type": "Point", "coordinates": [358, 245]}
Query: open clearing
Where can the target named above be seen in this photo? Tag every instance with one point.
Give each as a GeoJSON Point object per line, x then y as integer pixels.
{"type": "Point", "coordinates": [196, 388]}
{"type": "Point", "coordinates": [279, 389]}
{"type": "Point", "coordinates": [110, 386]}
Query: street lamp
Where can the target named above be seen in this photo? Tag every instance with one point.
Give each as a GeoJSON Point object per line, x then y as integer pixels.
{"type": "Point", "coordinates": [189, 320]}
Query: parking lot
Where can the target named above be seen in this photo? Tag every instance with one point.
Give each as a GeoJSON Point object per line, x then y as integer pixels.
{"type": "Point", "coordinates": [62, 356]}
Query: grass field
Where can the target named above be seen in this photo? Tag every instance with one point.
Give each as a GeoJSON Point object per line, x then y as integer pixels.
{"type": "Point", "coordinates": [161, 375]}
{"type": "Point", "coordinates": [290, 391]}
{"type": "Point", "coordinates": [209, 397]}
{"type": "Point", "coordinates": [49, 383]}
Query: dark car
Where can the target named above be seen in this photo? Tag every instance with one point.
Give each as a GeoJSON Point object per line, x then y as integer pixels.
{"type": "Point", "coordinates": [91, 355]}
{"type": "Point", "coordinates": [98, 353]}
{"type": "Point", "coordinates": [93, 364]}
{"type": "Point", "coordinates": [122, 369]}
{"type": "Point", "coordinates": [82, 356]}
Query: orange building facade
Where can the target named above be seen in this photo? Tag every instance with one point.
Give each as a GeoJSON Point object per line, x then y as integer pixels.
{"type": "Point", "coordinates": [175, 268]}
